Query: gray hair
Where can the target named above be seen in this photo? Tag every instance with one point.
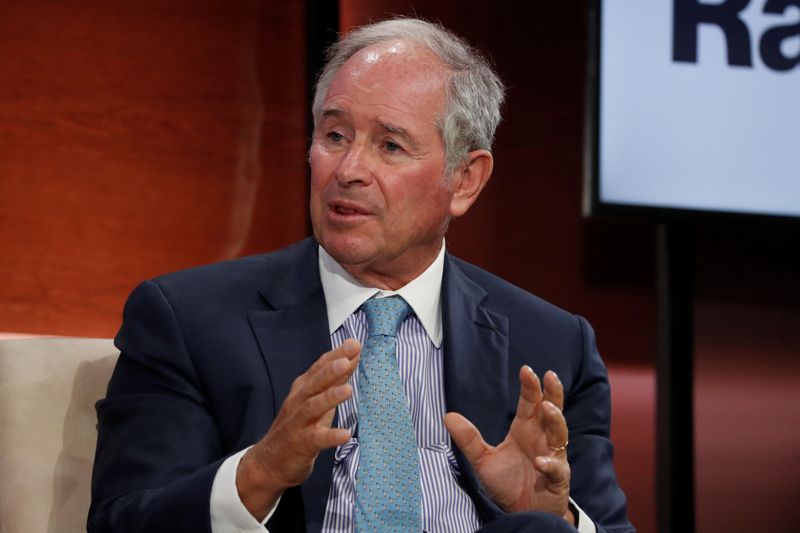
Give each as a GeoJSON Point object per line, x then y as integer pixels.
{"type": "Point", "coordinates": [474, 92]}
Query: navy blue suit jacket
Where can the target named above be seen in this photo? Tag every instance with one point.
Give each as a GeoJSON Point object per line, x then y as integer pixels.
{"type": "Point", "coordinates": [208, 355]}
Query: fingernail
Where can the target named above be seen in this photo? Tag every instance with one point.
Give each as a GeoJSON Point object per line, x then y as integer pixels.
{"type": "Point", "coordinates": [341, 392]}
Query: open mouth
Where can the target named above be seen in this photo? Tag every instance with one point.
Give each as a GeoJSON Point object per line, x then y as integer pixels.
{"type": "Point", "coordinates": [347, 209]}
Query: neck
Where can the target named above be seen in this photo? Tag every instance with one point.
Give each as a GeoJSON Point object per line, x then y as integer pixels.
{"type": "Point", "coordinates": [394, 276]}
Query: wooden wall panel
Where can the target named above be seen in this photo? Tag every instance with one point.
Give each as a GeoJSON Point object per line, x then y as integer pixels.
{"type": "Point", "coordinates": [138, 138]}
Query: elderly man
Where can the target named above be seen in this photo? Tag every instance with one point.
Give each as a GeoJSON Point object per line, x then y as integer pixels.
{"type": "Point", "coordinates": [363, 380]}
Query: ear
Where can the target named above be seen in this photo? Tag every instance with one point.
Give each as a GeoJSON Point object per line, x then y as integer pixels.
{"type": "Point", "coordinates": [469, 180]}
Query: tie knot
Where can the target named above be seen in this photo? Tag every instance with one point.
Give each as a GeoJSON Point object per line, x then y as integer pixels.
{"type": "Point", "coordinates": [384, 315]}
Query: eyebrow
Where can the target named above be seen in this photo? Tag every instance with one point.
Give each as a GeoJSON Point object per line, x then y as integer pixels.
{"type": "Point", "coordinates": [400, 132]}
{"type": "Point", "coordinates": [333, 112]}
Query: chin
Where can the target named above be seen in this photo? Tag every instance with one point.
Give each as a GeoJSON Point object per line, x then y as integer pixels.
{"type": "Point", "coordinates": [346, 250]}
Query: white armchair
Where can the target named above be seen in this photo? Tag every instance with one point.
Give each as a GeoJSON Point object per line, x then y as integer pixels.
{"type": "Point", "coordinates": [48, 387]}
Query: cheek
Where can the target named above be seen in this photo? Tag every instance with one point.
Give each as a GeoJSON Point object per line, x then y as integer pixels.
{"type": "Point", "coordinates": [423, 205]}
{"type": "Point", "coordinates": [317, 190]}
{"type": "Point", "coordinates": [317, 186]}
{"type": "Point", "coordinates": [322, 166]}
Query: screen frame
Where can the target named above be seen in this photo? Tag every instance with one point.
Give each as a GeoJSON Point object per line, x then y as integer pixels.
{"type": "Point", "coordinates": [592, 206]}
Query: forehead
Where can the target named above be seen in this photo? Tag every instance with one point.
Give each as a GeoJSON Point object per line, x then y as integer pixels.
{"type": "Point", "coordinates": [392, 76]}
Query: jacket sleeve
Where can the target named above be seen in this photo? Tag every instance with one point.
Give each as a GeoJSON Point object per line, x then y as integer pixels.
{"type": "Point", "coordinates": [158, 446]}
{"type": "Point", "coordinates": [587, 409]}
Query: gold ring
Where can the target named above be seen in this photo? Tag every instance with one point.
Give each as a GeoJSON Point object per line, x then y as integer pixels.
{"type": "Point", "coordinates": [560, 448]}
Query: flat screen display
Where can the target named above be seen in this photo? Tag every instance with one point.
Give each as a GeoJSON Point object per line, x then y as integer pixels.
{"type": "Point", "coordinates": [695, 106]}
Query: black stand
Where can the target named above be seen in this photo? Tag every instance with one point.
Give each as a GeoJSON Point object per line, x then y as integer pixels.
{"type": "Point", "coordinates": [675, 379]}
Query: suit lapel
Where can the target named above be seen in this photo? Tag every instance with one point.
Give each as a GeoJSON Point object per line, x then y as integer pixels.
{"type": "Point", "coordinates": [291, 336]}
{"type": "Point", "coordinates": [476, 373]}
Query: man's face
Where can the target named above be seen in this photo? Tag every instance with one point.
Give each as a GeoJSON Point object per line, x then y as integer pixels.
{"type": "Point", "coordinates": [378, 203]}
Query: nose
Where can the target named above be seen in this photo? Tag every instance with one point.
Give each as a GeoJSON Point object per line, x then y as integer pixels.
{"type": "Point", "coordinates": [355, 167]}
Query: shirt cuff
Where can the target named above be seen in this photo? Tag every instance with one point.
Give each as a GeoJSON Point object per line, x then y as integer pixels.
{"type": "Point", "coordinates": [228, 513]}
{"type": "Point", "coordinates": [585, 524]}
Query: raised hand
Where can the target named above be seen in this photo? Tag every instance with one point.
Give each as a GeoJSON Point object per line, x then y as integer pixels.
{"type": "Point", "coordinates": [528, 471]}
{"type": "Point", "coordinates": [285, 456]}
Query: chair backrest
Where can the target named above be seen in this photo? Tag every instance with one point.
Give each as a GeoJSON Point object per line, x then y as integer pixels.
{"type": "Point", "coordinates": [48, 387]}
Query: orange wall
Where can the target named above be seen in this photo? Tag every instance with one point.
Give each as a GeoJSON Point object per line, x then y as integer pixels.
{"type": "Point", "coordinates": [138, 138]}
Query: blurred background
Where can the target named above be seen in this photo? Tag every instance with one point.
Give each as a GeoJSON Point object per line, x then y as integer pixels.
{"type": "Point", "coordinates": [139, 137]}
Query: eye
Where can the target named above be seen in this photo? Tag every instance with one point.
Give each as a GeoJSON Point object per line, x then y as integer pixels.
{"type": "Point", "coordinates": [392, 146]}
{"type": "Point", "coordinates": [335, 136]}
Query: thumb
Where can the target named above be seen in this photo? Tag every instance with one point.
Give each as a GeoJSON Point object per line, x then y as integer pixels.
{"type": "Point", "coordinates": [466, 436]}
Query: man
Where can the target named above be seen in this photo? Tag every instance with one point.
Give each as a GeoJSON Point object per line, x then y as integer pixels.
{"type": "Point", "coordinates": [240, 398]}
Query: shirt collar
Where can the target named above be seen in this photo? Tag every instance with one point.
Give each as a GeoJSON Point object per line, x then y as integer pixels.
{"type": "Point", "coordinates": [344, 294]}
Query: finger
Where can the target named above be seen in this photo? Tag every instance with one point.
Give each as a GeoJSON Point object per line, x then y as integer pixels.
{"type": "Point", "coordinates": [312, 441]}
{"type": "Point", "coordinates": [556, 471]}
{"type": "Point", "coordinates": [324, 438]}
{"type": "Point", "coordinates": [553, 389]}
{"type": "Point", "coordinates": [555, 427]}
{"type": "Point", "coordinates": [466, 436]}
{"type": "Point", "coordinates": [315, 409]}
{"type": "Point", "coordinates": [349, 349]}
{"type": "Point", "coordinates": [333, 371]}
{"type": "Point", "coordinates": [530, 393]}
{"type": "Point", "coordinates": [326, 420]}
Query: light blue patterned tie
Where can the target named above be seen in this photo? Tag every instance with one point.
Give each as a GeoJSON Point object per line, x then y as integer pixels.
{"type": "Point", "coordinates": [388, 493]}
